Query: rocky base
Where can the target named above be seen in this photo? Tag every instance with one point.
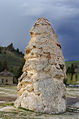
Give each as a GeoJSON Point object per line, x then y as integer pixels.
{"type": "Point", "coordinates": [49, 100]}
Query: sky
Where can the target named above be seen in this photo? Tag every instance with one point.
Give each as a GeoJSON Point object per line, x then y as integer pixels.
{"type": "Point", "coordinates": [18, 16]}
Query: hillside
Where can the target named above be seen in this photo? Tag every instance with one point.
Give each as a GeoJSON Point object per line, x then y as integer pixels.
{"type": "Point", "coordinates": [11, 57]}
{"type": "Point", "coordinates": [68, 63]}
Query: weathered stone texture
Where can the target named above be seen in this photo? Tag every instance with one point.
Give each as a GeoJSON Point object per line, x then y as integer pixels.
{"type": "Point", "coordinates": [41, 87]}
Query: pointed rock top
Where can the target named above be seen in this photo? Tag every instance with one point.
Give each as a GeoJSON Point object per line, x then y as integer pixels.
{"type": "Point", "coordinates": [42, 26]}
{"type": "Point", "coordinates": [42, 21]}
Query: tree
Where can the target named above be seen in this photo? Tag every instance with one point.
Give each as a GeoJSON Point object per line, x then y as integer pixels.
{"type": "Point", "coordinates": [19, 71]}
{"type": "Point", "coordinates": [4, 65]}
{"type": "Point", "coordinates": [0, 66]}
{"type": "Point", "coordinates": [17, 50]}
{"type": "Point", "coordinates": [71, 70]}
{"type": "Point", "coordinates": [10, 47]}
{"type": "Point", "coordinates": [0, 49]}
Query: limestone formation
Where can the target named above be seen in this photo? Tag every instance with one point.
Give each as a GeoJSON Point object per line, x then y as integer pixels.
{"type": "Point", "coordinates": [41, 86]}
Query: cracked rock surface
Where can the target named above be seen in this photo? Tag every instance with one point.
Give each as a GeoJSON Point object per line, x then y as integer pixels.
{"type": "Point", "coordinates": [40, 87]}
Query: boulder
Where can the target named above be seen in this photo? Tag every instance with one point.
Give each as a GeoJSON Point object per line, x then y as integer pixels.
{"type": "Point", "coordinates": [40, 87]}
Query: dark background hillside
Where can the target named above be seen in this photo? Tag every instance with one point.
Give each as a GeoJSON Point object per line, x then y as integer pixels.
{"type": "Point", "coordinates": [10, 58]}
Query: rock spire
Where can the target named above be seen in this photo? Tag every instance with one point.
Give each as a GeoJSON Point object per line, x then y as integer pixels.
{"type": "Point", "coordinates": [40, 87]}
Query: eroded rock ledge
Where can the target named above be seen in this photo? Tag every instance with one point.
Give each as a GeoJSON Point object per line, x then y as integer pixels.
{"type": "Point", "coordinates": [41, 87]}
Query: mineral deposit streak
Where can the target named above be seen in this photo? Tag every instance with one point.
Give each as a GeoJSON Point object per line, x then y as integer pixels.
{"type": "Point", "coordinates": [40, 87]}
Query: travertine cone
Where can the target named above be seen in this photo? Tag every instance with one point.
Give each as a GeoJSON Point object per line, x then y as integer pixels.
{"type": "Point", "coordinates": [41, 87]}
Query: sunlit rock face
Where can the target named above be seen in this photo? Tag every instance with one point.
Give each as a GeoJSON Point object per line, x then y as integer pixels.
{"type": "Point", "coordinates": [41, 86]}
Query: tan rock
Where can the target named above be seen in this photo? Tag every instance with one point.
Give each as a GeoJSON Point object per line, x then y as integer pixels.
{"type": "Point", "coordinates": [41, 87]}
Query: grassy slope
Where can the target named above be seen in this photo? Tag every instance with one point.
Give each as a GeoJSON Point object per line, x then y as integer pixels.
{"type": "Point", "coordinates": [13, 60]}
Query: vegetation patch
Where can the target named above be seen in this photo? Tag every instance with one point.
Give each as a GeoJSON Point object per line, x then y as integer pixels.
{"type": "Point", "coordinates": [72, 69]}
{"type": "Point", "coordinates": [25, 109]}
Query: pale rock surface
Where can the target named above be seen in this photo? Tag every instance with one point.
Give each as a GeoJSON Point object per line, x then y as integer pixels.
{"type": "Point", "coordinates": [76, 105]}
{"type": "Point", "coordinates": [41, 86]}
{"type": "Point", "coordinates": [7, 109]}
